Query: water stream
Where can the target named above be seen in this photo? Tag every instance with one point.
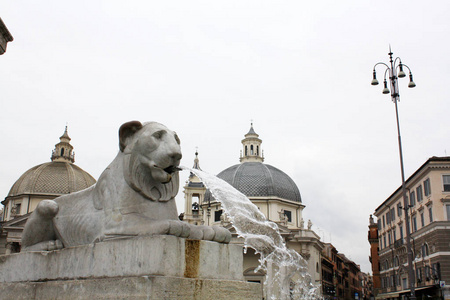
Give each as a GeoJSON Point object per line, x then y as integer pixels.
{"type": "Point", "coordinates": [286, 270]}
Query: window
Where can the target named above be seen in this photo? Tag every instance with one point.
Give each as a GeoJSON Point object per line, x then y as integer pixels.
{"type": "Point", "coordinates": [425, 250]}
{"type": "Point", "coordinates": [15, 210]}
{"type": "Point", "coordinates": [401, 232]}
{"type": "Point", "coordinates": [422, 220]}
{"type": "Point", "coordinates": [399, 209]}
{"type": "Point", "coordinates": [388, 217]}
{"type": "Point", "coordinates": [427, 273]}
{"type": "Point", "coordinates": [395, 235]}
{"type": "Point", "coordinates": [419, 274]}
{"type": "Point", "coordinates": [436, 269]}
{"type": "Point", "coordinates": [381, 243]}
{"type": "Point", "coordinates": [419, 193]}
{"type": "Point", "coordinates": [389, 238]}
{"type": "Point", "coordinates": [379, 224]}
{"type": "Point", "coordinates": [430, 213]}
{"type": "Point", "coordinates": [414, 223]}
{"type": "Point", "coordinates": [412, 198]}
{"type": "Point", "coordinates": [447, 207]}
{"type": "Point", "coordinates": [288, 214]}
{"type": "Point", "coordinates": [384, 221]}
{"type": "Point", "coordinates": [393, 214]}
{"type": "Point", "coordinates": [427, 187]}
{"type": "Point", "coordinates": [446, 182]}
{"type": "Point", "coordinates": [217, 215]}
{"type": "Point", "coordinates": [384, 241]}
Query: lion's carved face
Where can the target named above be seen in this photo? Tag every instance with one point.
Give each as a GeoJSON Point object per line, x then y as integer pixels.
{"type": "Point", "coordinates": [152, 155]}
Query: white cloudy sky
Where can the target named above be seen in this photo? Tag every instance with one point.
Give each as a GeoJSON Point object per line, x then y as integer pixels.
{"type": "Point", "coordinates": [300, 69]}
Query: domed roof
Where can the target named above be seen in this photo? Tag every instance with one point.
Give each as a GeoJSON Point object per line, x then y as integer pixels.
{"type": "Point", "coordinates": [256, 179]}
{"type": "Point", "coordinates": [58, 177]}
{"type": "Point", "coordinates": [253, 178]}
{"type": "Point", "coordinates": [53, 178]}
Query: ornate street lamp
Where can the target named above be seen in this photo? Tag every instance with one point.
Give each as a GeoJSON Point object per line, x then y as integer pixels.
{"type": "Point", "coordinates": [393, 80]}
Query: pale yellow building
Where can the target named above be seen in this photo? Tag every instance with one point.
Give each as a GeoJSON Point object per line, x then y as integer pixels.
{"type": "Point", "coordinates": [428, 196]}
{"type": "Point", "coordinates": [272, 191]}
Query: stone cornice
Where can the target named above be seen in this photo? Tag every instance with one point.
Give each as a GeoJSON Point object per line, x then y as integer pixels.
{"type": "Point", "coordinates": [5, 37]}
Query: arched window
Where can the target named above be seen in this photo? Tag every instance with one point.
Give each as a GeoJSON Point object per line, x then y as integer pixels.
{"type": "Point", "coordinates": [257, 150]}
{"type": "Point", "coordinates": [62, 151]}
{"type": "Point", "coordinates": [396, 261]}
{"type": "Point", "coordinates": [251, 149]}
{"type": "Point", "coordinates": [246, 151]}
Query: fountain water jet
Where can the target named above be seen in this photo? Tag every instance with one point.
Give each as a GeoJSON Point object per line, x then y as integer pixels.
{"type": "Point", "coordinates": [286, 270]}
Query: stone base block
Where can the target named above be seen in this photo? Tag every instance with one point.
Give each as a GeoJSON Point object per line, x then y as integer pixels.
{"type": "Point", "coordinates": [161, 255]}
{"type": "Point", "coordinates": [145, 287]}
{"type": "Point", "coordinates": [153, 267]}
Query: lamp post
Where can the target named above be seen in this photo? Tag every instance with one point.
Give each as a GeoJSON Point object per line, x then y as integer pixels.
{"type": "Point", "coordinates": [393, 80]}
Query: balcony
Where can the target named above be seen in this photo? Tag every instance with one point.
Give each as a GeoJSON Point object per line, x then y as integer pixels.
{"type": "Point", "coordinates": [398, 243]}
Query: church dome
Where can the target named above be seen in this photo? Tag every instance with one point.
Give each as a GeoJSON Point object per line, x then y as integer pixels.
{"type": "Point", "coordinates": [253, 178]}
{"type": "Point", "coordinates": [256, 179]}
{"type": "Point", "coordinates": [52, 178]}
{"type": "Point", "coordinates": [58, 177]}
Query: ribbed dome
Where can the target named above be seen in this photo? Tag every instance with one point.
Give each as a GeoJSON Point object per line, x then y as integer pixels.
{"type": "Point", "coordinates": [256, 179]}
{"type": "Point", "coordinates": [53, 178]}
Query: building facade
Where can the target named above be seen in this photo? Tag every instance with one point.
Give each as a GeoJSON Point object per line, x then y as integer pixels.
{"type": "Point", "coordinates": [374, 257]}
{"type": "Point", "coordinates": [428, 197]}
{"type": "Point", "coordinates": [341, 277]}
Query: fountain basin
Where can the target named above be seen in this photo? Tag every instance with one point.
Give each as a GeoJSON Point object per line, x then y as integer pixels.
{"type": "Point", "coordinates": [155, 267]}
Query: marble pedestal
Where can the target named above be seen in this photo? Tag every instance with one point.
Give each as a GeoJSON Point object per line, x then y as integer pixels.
{"type": "Point", "coordinates": [154, 267]}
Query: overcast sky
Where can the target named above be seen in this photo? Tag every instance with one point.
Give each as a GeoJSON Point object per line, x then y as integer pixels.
{"type": "Point", "coordinates": [301, 70]}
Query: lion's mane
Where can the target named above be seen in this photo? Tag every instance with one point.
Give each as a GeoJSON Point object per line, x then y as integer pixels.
{"type": "Point", "coordinates": [139, 178]}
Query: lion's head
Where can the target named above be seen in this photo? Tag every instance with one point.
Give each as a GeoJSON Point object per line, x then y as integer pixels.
{"type": "Point", "coordinates": [152, 155]}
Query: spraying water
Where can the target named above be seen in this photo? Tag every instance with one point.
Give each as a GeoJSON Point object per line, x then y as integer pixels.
{"type": "Point", "coordinates": [286, 270]}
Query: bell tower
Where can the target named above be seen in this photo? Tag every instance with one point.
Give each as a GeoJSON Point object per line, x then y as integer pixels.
{"type": "Point", "coordinates": [63, 150]}
{"type": "Point", "coordinates": [251, 151]}
{"type": "Point", "coordinates": [194, 195]}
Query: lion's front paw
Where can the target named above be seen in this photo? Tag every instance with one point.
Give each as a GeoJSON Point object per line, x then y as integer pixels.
{"type": "Point", "coordinates": [178, 228]}
{"type": "Point", "coordinates": [210, 233]}
{"type": "Point", "coordinates": [222, 235]}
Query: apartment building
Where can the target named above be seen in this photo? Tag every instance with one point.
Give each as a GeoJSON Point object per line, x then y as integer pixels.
{"type": "Point", "coordinates": [428, 198]}
{"type": "Point", "coordinates": [341, 277]}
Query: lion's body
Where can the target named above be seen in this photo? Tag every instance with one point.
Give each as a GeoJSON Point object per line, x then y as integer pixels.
{"type": "Point", "coordinates": [135, 195]}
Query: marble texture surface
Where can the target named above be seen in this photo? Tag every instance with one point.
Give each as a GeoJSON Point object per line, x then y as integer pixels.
{"type": "Point", "coordinates": [161, 255]}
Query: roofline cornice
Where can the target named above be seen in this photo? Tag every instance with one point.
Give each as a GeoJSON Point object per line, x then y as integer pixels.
{"type": "Point", "coordinates": [432, 163]}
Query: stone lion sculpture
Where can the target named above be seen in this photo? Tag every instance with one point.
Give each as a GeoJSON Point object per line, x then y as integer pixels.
{"type": "Point", "coordinates": [134, 196]}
